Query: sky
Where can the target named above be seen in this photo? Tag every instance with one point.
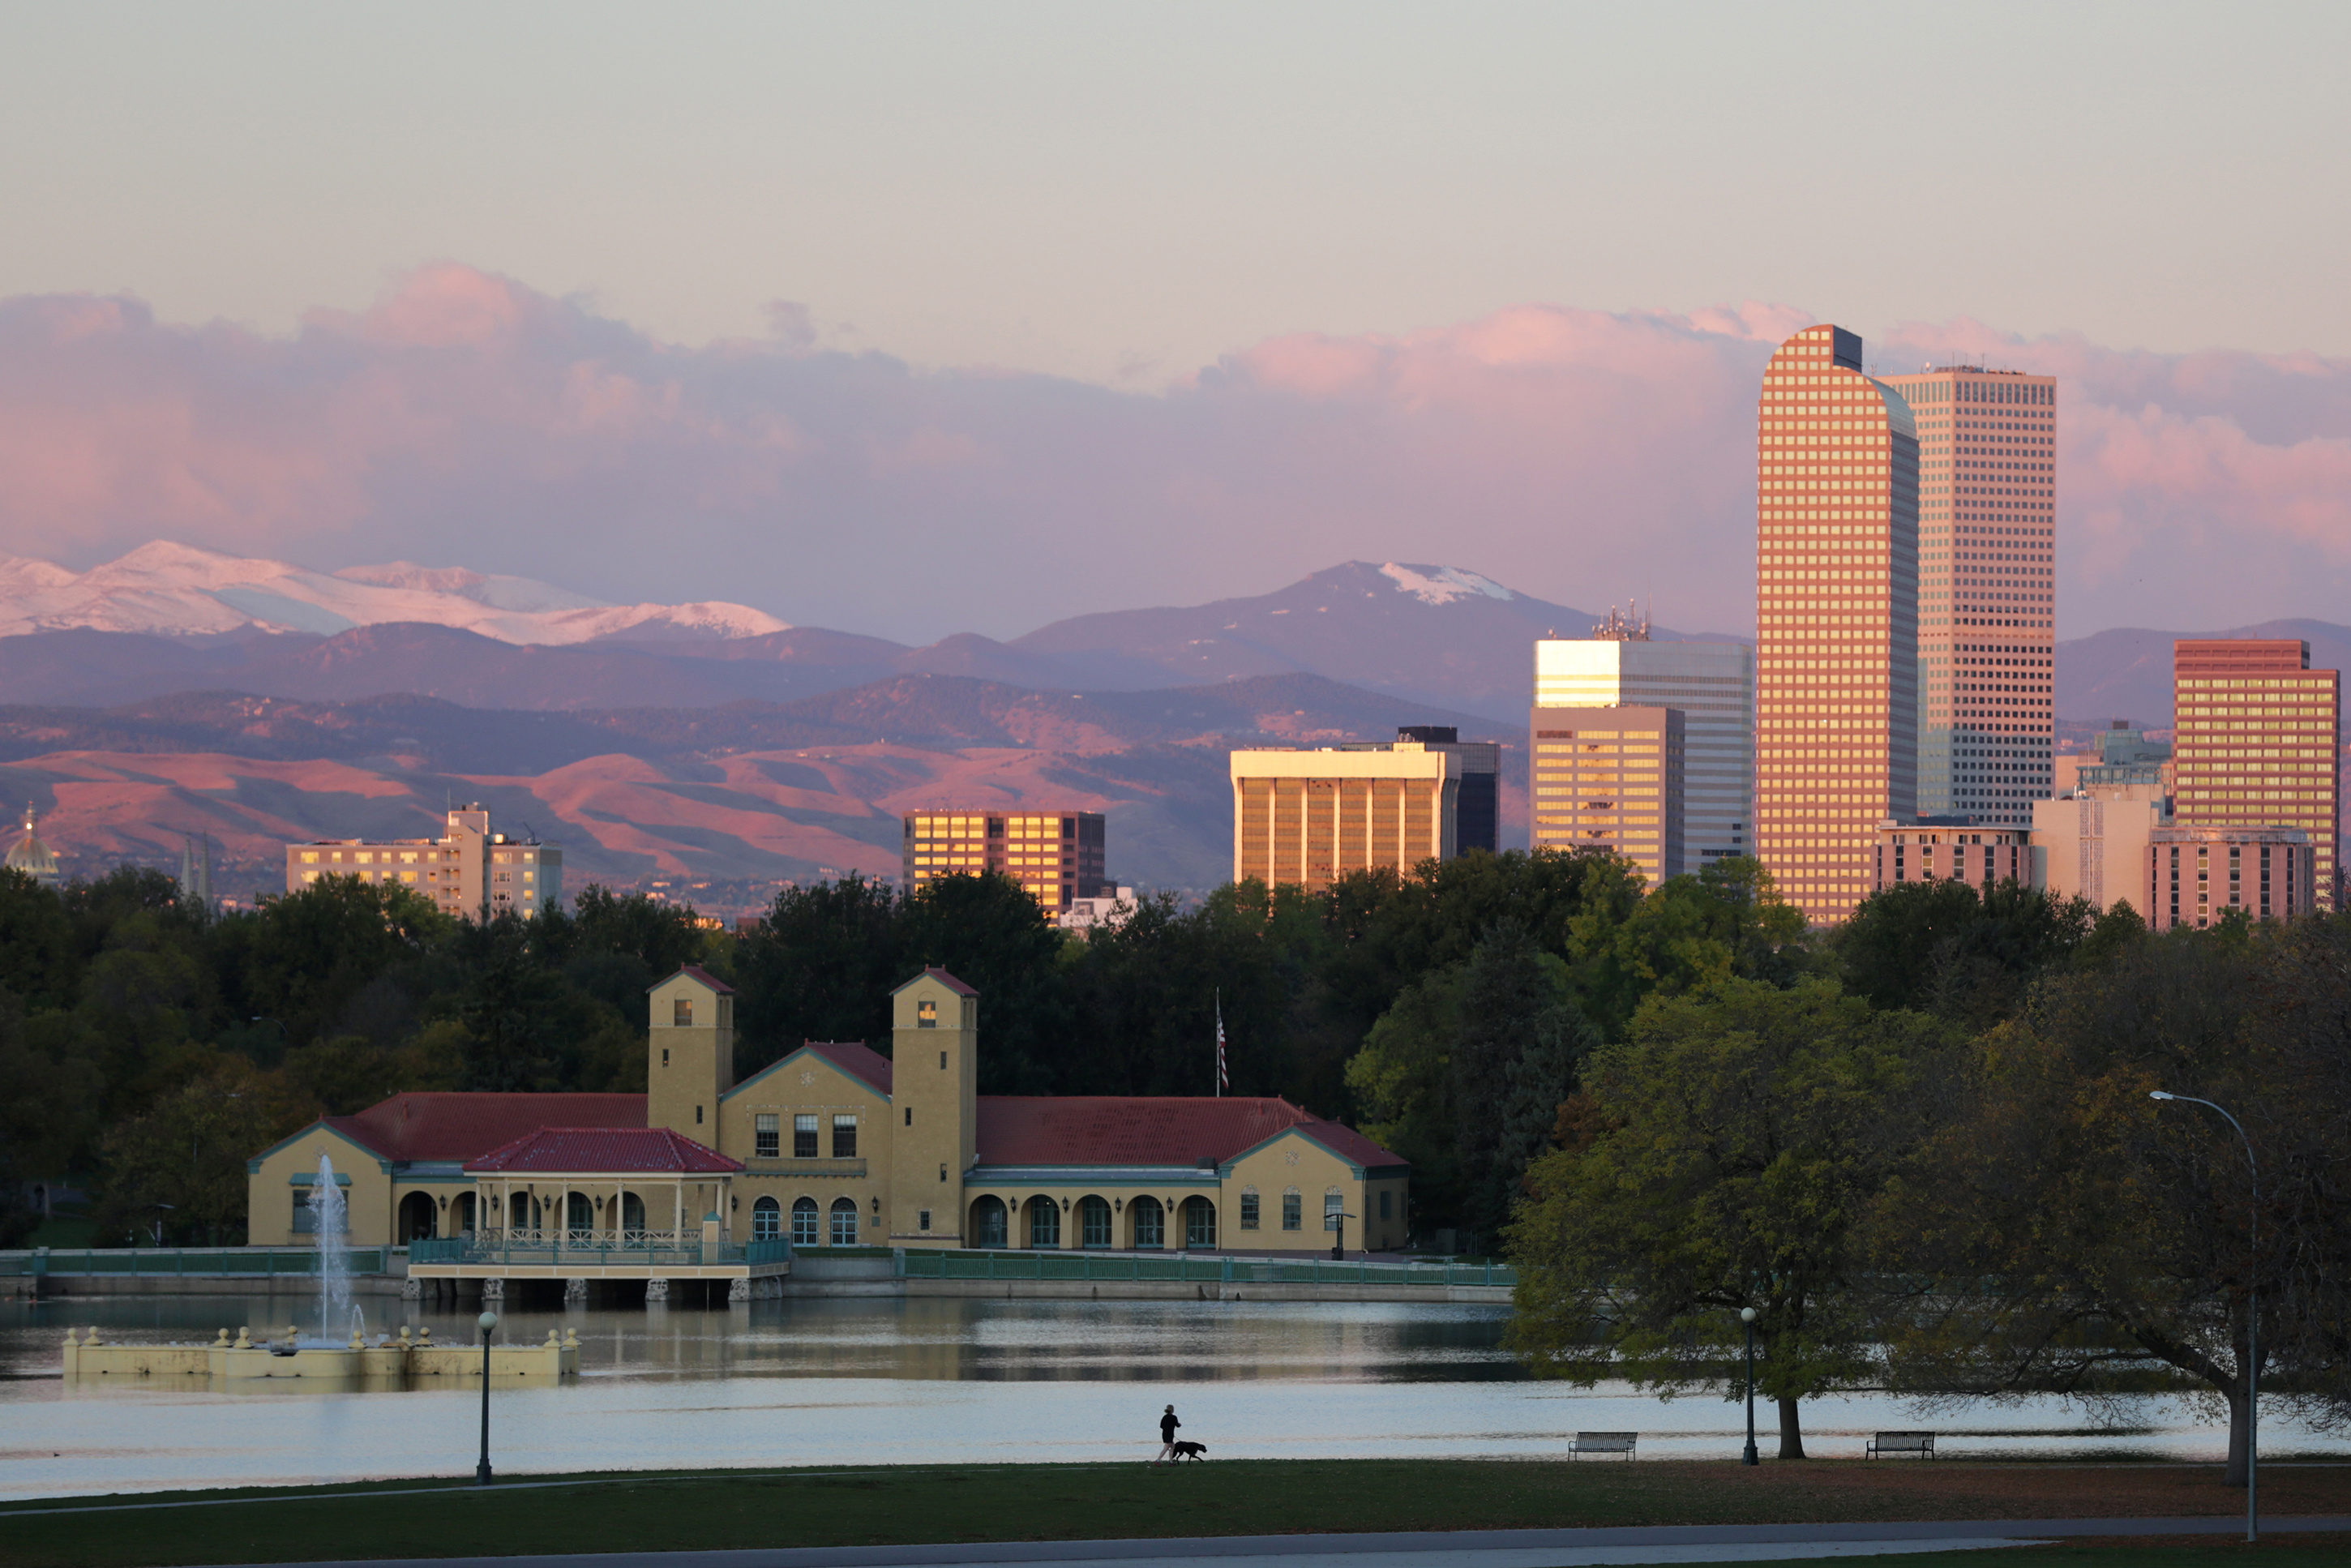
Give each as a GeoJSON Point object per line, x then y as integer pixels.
{"type": "Point", "coordinates": [916, 319]}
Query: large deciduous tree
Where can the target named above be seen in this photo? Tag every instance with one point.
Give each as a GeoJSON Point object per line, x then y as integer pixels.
{"type": "Point", "coordinates": [1730, 1153]}
{"type": "Point", "coordinates": [2081, 1233]}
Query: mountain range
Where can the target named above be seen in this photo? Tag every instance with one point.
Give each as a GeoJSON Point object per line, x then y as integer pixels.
{"type": "Point", "coordinates": [178, 690]}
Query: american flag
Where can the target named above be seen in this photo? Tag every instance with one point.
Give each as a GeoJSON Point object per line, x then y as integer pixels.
{"type": "Point", "coordinates": [1224, 1079]}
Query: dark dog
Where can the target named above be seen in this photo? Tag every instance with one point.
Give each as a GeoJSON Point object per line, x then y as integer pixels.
{"type": "Point", "coordinates": [1191, 1451]}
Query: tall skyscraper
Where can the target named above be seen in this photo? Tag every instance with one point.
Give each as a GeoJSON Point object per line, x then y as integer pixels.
{"type": "Point", "coordinates": [1610, 779]}
{"type": "Point", "coordinates": [1836, 619]}
{"type": "Point", "coordinates": [2259, 742]}
{"type": "Point", "coordinates": [1987, 590]}
{"type": "Point", "coordinates": [1713, 684]}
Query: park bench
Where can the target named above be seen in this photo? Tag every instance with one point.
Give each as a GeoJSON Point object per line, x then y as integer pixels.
{"type": "Point", "coordinates": [1919, 1443]}
{"type": "Point", "coordinates": [1602, 1443]}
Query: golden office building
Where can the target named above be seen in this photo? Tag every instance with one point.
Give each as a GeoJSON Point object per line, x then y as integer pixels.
{"type": "Point", "coordinates": [1837, 620]}
{"type": "Point", "coordinates": [1610, 779]}
{"type": "Point", "coordinates": [1057, 856]}
{"type": "Point", "coordinates": [1987, 590]}
{"type": "Point", "coordinates": [1309, 818]}
{"type": "Point", "coordinates": [2257, 742]}
{"type": "Point", "coordinates": [467, 872]}
{"type": "Point", "coordinates": [834, 1144]}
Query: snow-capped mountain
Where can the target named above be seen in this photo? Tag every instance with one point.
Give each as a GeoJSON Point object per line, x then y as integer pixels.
{"type": "Point", "coordinates": [175, 589]}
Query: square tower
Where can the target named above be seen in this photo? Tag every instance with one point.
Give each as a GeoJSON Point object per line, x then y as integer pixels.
{"type": "Point", "coordinates": [935, 1103]}
{"type": "Point", "coordinates": [689, 1053]}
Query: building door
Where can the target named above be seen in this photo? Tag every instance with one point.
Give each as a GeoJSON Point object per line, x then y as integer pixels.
{"type": "Point", "coordinates": [1044, 1222]}
{"type": "Point", "coordinates": [804, 1222]}
{"type": "Point", "coordinates": [844, 1222]}
{"type": "Point", "coordinates": [632, 1214]}
{"type": "Point", "coordinates": [1199, 1224]}
{"type": "Point", "coordinates": [766, 1220]}
{"type": "Point", "coordinates": [417, 1214]}
{"type": "Point", "coordinates": [461, 1214]}
{"type": "Point", "coordinates": [1150, 1224]}
{"type": "Point", "coordinates": [988, 1223]}
{"type": "Point", "coordinates": [581, 1215]}
{"type": "Point", "coordinates": [1093, 1222]}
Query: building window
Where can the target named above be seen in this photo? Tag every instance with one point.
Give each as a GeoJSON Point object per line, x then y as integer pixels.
{"type": "Point", "coordinates": [1093, 1222]}
{"type": "Point", "coordinates": [1044, 1222]}
{"type": "Point", "coordinates": [1292, 1215]}
{"type": "Point", "coordinates": [844, 1137]}
{"type": "Point", "coordinates": [1248, 1209]}
{"type": "Point", "coordinates": [927, 1014]}
{"type": "Point", "coordinates": [1150, 1223]}
{"type": "Point", "coordinates": [804, 1137]}
{"type": "Point", "coordinates": [844, 1222]}
{"type": "Point", "coordinates": [804, 1222]}
{"type": "Point", "coordinates": [681, 1011]}
{"type": "Point", "coordinates": [1334, 1204]}
{"type": "Point", "coordinates": [923, 1221]}
{"type": "Point", "coordinates": [767, 1220]}
{"type": "Point", "coordinates": [770, 1136]}
{"type": "Point", "coordinates": [1199, 1224]}
{"type": "Point", "coordinates": [987, 1222]}
{"type": "Point", "coordinates": [1386, 1198]}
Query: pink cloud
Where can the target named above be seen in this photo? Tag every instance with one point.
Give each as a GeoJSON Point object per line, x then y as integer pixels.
{"type": "Point", "coordinates": [1581, 455]}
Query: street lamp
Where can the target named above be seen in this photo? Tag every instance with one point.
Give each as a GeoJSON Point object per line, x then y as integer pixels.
{"type": "Point", "coordinates": [2252, 1324]}
{"type": "Point", "coordinates": [487, 1320]}
{"type": "Point", "coordinates": [1747, 1316]}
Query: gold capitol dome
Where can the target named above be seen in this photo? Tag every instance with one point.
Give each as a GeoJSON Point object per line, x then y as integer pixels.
{"type": "Point", "coordinates": [30, 855]}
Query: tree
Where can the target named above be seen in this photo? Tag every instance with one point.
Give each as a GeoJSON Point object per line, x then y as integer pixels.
{"type": "Point", "coordinates": [2119, 1231]}
{"type": "Point", "coordinates": [1728, 1155]}
{"type": "Point", "coordinates": [1517, 1043]}
{"type": "Point", "coordinates": [182, 1163]}
{"type": "Point", "coordinates": [820, 966]}
{"type": "Point", "coordinates": [36, 942]}
{"type": "Point", "coordinates": [1944, 947]}
{"type": "Point", "coordinates": [301, 959]}
{"type": "Point", "coordinates": [990, 934]}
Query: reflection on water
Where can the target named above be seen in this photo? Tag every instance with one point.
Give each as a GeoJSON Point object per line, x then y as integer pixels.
{"type": "Point", "coordinates": [860, 1381]}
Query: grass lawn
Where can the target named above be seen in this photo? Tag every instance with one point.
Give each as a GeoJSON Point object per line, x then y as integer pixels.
{"type": "Point", "coordinates": [1038, 1502]}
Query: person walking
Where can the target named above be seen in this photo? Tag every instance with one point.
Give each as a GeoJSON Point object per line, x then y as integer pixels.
{"type": "Point", "coordinates": [1167, 1424]}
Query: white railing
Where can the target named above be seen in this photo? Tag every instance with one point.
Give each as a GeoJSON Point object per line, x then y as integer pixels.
{"type": "Point", "coordinates": [626, 1240]}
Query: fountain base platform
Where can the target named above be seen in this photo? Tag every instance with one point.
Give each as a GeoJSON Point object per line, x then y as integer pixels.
{"type": "Point", "coordinates": [402, 1361]}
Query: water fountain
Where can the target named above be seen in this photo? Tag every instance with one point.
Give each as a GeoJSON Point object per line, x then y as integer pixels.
{"type": "Point", "coordinates": [330, 1221]}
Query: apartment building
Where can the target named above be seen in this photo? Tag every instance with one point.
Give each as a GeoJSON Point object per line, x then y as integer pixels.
{"type": "Point", "coordinates": [469, 872]}
{"type": "Point", "coordinates": [2197, 875]}
{"type": "Point", "coordinates": [1057, 856]}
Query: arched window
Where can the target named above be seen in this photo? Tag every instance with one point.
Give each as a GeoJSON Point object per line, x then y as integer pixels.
{"type": "Point", "coordinates": [1150, 1223]}
{"type": "Point", "coordinates": [632, 1213]}
{"type": "Point", "coordinates": [1334, 1204]}
{"type": "Point", "coordinates": [767, 1220]}
{"type": "Point", "coordinates": [1248, 1209]}
{"type": "Point", "coordinates": [804, 1222]}
{"type": "Point", "coordinates": [1044, 1222]}
{"type": "Point", "coordinates": [1293, 1210]}
{"type": "Point", "coordinates": [988, 1223]}
{"type": "Point", "coordinates": [1093, 1222]}
{"type": "Point", "coordinates": [1199, 1223]}
{"type": "Point", "coordinates": [581, 1214]}
{"type": "Point", "coordinates": [844, 1222]}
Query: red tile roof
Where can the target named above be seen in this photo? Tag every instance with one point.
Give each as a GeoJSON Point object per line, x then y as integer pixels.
{"type": "Point", "coordinates": [460, 1126]}
{"type": "Point", "coordinates": [949, 981]}
{"type": "Point", "coordinates": [856, 1058]}
{"type": "Point", "coordinates": [597, 1150]}
{"type": "Point", "coordinates": [699, 973]}
{"type": "Point", "coordinates": [1105, 1130]}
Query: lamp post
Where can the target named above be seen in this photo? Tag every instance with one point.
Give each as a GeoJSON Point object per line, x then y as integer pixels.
{"type": "Point", "coordinates": [2252, 1322]}
{"type": "Point", "coordinates": [487, 1320]}
{"type": "Point", "coordinates": [1747, 1316]}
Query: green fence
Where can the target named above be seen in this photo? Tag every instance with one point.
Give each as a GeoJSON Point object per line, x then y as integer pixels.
{"type": "Point", "coordinates": [1179, 1269]}
{"type": "Point", "coordinates": [184, 1262]}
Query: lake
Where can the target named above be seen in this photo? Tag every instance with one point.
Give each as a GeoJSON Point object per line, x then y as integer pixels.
{"type": "Point", "coordinates": [865, 1381]}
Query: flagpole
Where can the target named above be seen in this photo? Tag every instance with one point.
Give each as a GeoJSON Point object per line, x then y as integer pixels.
{"type": "Point", "coordinates": [1221, 1042]}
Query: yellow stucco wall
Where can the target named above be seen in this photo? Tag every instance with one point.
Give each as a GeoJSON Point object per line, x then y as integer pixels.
{"type": "Point", "coordinates": [805, 1083]}
{"type": "Point", "coordinates": [271, 1195]}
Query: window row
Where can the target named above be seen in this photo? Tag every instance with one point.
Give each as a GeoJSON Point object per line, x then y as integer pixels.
{"type": "Point", "coordinates": [769, 1128]}
{"type": "Point", "coordinates": [768, 1221]}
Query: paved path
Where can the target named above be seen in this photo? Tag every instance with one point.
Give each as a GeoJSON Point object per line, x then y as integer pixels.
{"type": "Point", "coordinates": [1690, 1543]}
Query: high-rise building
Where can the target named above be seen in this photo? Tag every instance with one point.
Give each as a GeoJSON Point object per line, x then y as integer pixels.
{"type": "Point", "coordinates": [1057, 856]}
{"type": "Point", "coordinates": [468, 871]}
{"type": "Point", "coordinates": [1836, 631]}
{"type": "Point", "coordinates": [1309, 818]}
{"type": "Point", "coordinates": [2257, 742]}
{"type": "Point", "coordinates": [1713, 685]}
{"type": "Point", "coordinates": [1987, 590]}
{"type": "Point", "coordinates": [2092, 841]}
{"type": "Point", "coordinates": [1946, 849]}
{"type": "Point", "coordinates": [1610, 779]}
